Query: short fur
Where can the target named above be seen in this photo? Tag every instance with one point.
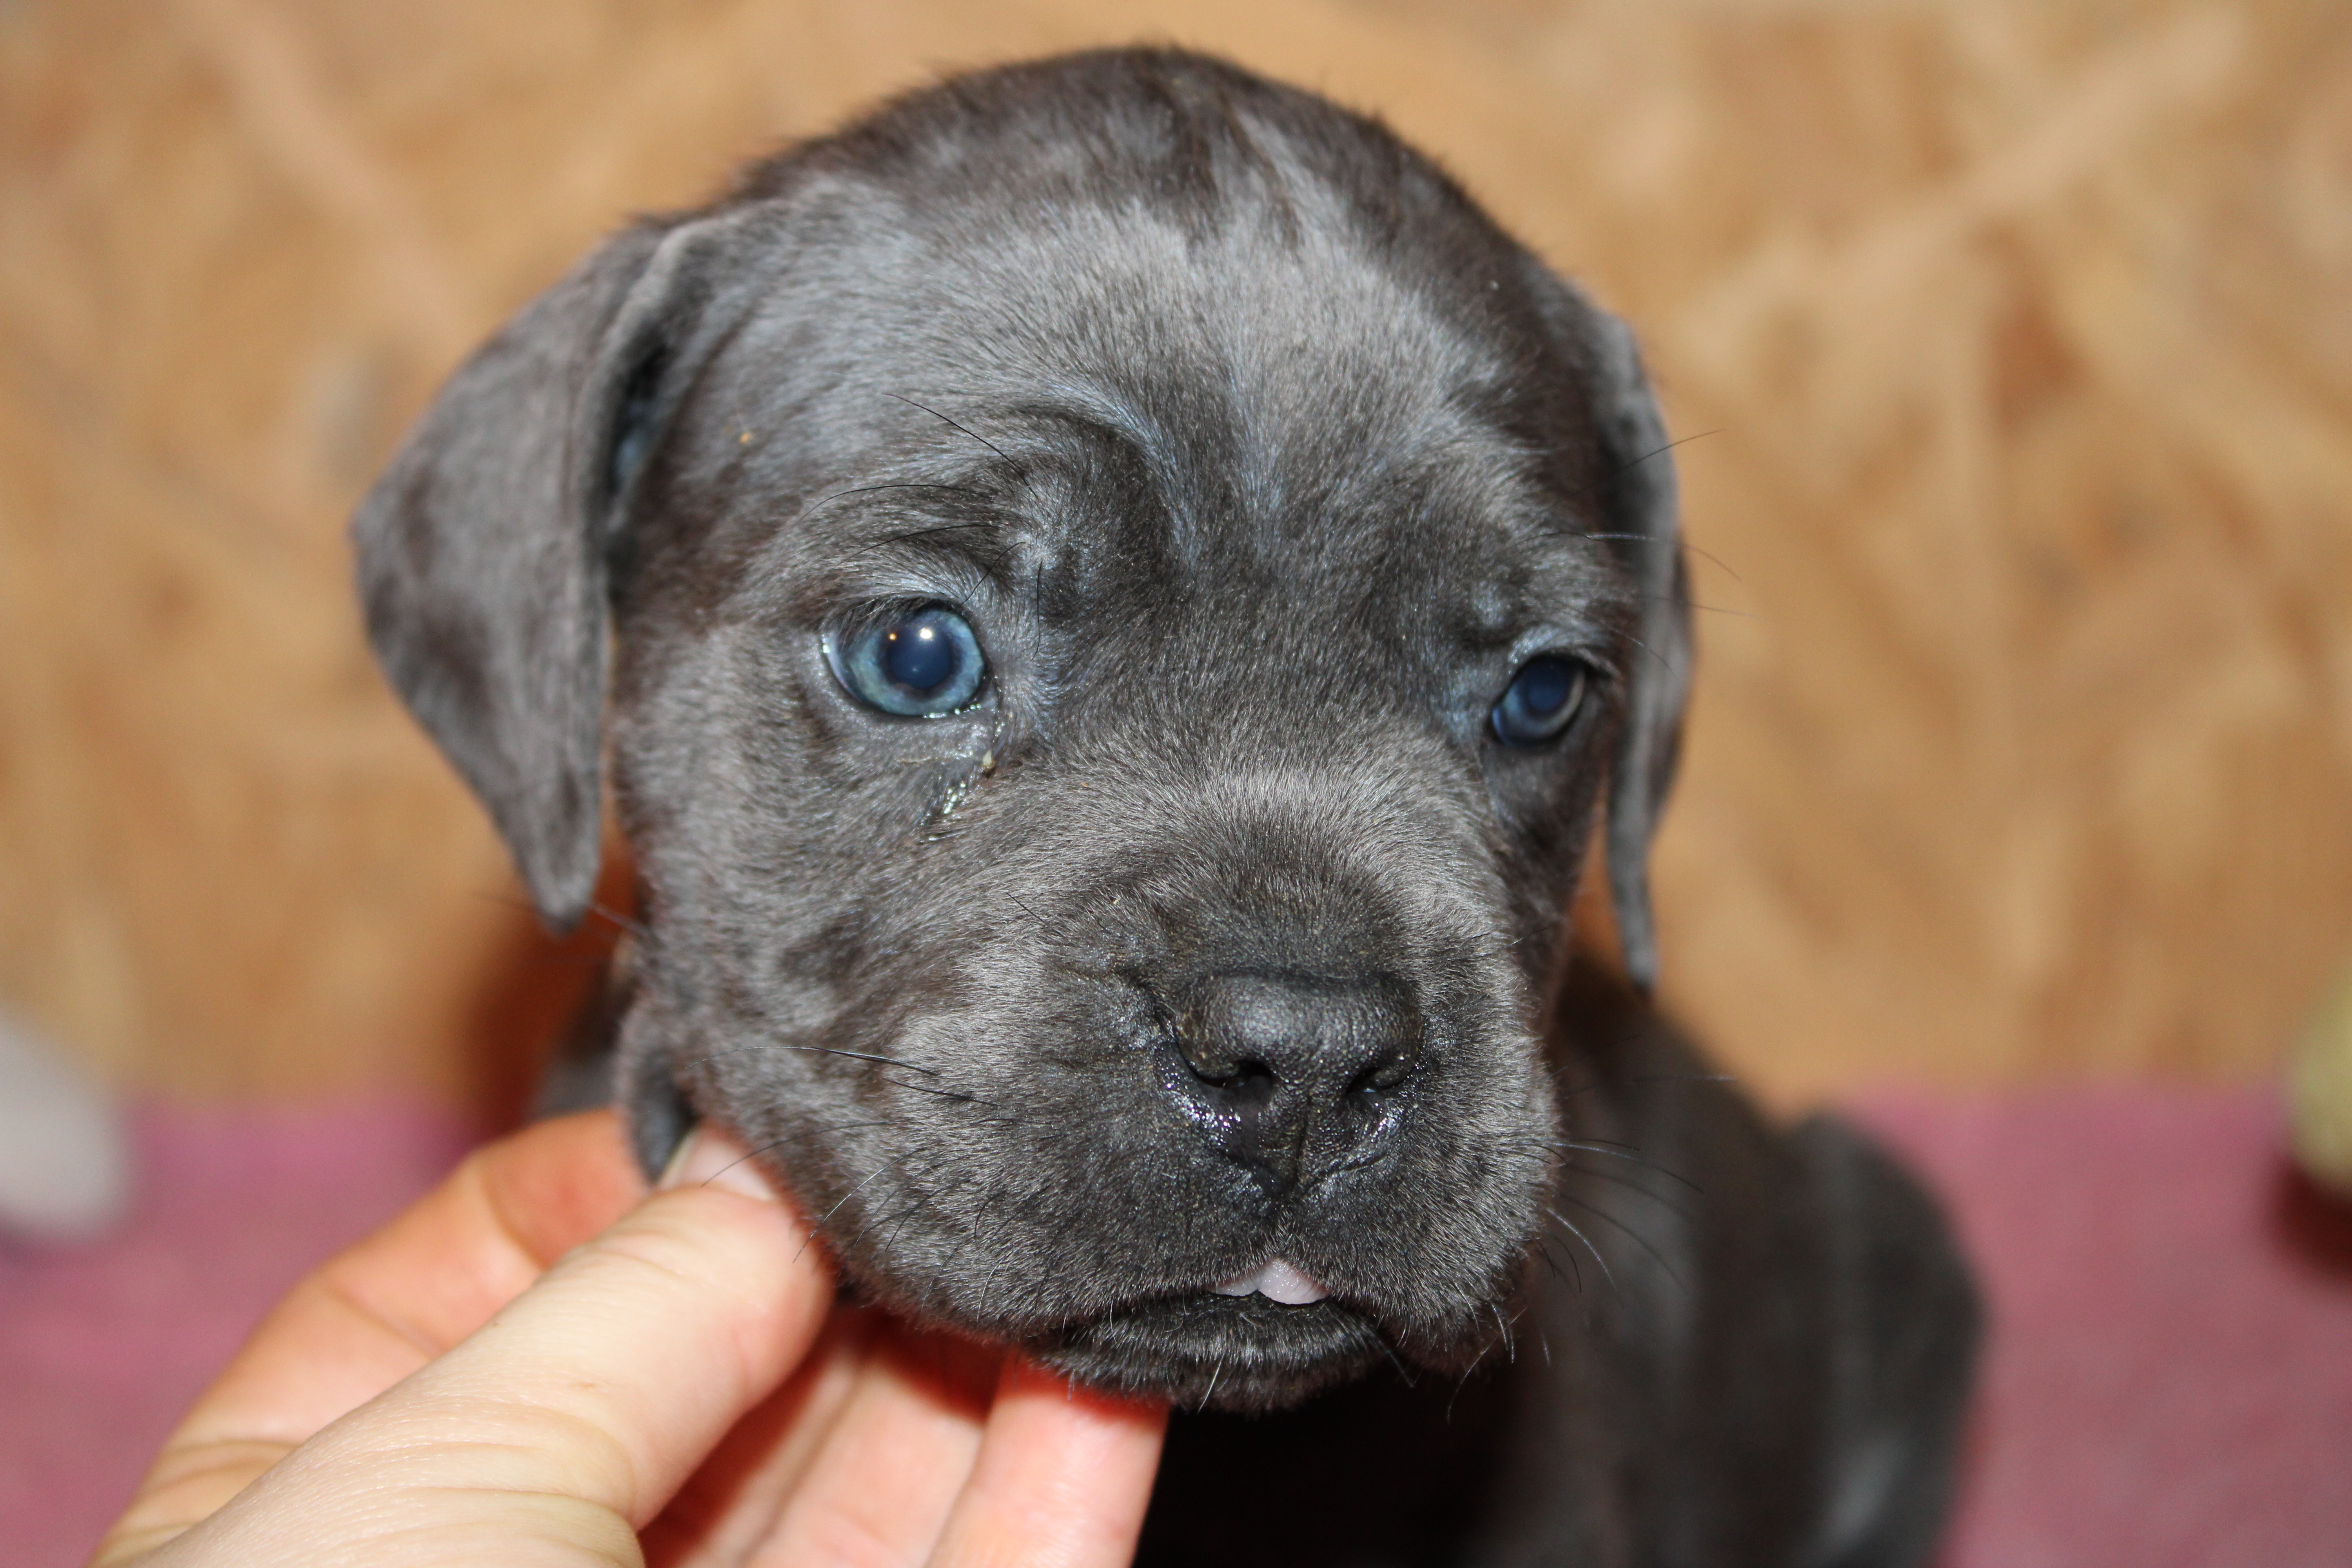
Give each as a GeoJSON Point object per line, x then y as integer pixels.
{"type": "Point", "coordinates": [1260, 460]}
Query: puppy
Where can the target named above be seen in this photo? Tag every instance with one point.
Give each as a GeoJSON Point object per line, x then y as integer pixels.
{"type": "Point", "coordinates": [1114, 599]}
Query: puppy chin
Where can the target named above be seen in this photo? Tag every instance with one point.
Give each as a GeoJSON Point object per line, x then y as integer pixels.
{"type": "Point", "coordinates": [1216, 1352]}
{"type": "Point", "coordinates": [1246, 1355]}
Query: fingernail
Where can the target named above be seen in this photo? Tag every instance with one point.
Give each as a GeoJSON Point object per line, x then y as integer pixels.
{"type": "Point", "coordinates": [709, 1158]}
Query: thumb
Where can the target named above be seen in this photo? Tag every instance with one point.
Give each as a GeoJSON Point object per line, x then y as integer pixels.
{"type": "Point", "coordinates": [569, 1419]}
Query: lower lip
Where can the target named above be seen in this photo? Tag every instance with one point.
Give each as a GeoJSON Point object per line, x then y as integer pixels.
{"type": "Point", "coordinates": [1243, 1348]}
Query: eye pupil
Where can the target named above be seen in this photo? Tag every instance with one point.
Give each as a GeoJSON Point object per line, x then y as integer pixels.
{"type": "Point", "coordinates": [1542, 700]}
{"type": "Point", "coordinates": [920, 664]}
{"type": "Point", "coordinates": [1545, 687]}
{"type": "Point", "coordinates": [918, 656]}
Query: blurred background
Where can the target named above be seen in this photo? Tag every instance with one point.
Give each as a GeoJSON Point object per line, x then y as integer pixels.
{"type": "Point", "coordinates": [2013, 344]}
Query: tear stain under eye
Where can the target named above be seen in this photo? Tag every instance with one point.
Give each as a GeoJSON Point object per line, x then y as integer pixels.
{"type": "Point", "coordinates": [958, 790]}
{"type": "Point", "coordinates": [959, 787]}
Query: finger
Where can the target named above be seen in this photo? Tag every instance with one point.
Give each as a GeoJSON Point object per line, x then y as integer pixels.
{"type": "Point", "coordinates": [569, 1419]}
{"type": "Point", "coordinates": [729, 1505]}
{"type": "Point", "coordinates": [1062, 1478]}
{"type": "Point", "coordinates": [383, 1307]}
{"type": "Point", "coordinates": [887, 1478]}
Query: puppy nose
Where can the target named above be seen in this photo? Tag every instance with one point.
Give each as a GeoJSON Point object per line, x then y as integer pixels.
{"type": "Point", "coordinates": [1297, 1075]}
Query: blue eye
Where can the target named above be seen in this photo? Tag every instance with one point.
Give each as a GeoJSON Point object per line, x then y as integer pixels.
{"type": "Point", "coordinates": [1543, 697]}
{"type": "Point", "coordinates": [920, 665]}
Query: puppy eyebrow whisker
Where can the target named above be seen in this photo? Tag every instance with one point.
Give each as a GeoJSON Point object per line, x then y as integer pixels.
{"type": "Point", "coordinates": [1663, 662]}
{"type": "Point", "coordinates": [952, 425]}
{"type": "Point", "coordinates": [1710, 609]}
{"type": "Point", "coordinates": [1680, 544]}
{"type": "Point", "coordinates": [1631, 463]}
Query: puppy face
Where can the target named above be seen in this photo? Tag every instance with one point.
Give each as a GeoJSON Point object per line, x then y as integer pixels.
{"type": "Point", "coordinates": [1125, 593]}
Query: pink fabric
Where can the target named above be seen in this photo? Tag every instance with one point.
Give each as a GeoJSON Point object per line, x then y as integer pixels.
{"type": "Point", "coordinates": [2170, 1383]}
{"type": "Point", "coordinates": [104, 1345]}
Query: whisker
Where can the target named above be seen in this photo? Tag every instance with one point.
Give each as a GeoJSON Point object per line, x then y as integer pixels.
{"type": "Point", "coordinates": [962, 1097]}
{"type": "Point", "coordinates": [1621, 1179]}
{"type": "Point", "coordinates": [1617, 1152]}
{"type": "Point", "coordinates": [1629, 465]}
{"type": "Point", "coordinates": [1681, 543]}
{"type": "Point", "coordinates": [618, 920]}
{"type": "Point", "coordinates": [1463, 1382]}
{"type": "Point", "coordinates": [1710, 609]}
{"type": "Point", "coordinates": [1639, 1240]}
{"type": "Point", "coordinates": [859, 1057]}
{"type": "Point", "coordinates": [1576, 1274]}
{"type": "Point", "coordinates": [953, 426]}
{"type": "Point", "coordinates": [1663, 662]}
{"type": "Point", "coordinates": [1387, 1350]}
{"type": "Point", "coordinates": [826, 1217]}
{"type": "Point", "coordinates": [1606, 1272]}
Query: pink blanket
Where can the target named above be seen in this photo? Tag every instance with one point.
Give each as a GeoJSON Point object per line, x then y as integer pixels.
{"type": "Point", "coordinates": [2170, 1383]}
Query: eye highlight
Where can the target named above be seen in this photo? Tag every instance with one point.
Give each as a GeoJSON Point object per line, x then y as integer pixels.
{"type": "Point", "coordinates": [919, 664]}
{"type": "Point", "coordinates": [1541, 701]}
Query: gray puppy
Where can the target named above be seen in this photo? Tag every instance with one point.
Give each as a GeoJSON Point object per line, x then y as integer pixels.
{"type": "Point", "coordinates": [1114, 599]}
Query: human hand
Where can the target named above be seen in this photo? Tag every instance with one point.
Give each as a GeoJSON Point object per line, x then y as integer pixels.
{"type": "Point", "coordinates": [538, 1363]}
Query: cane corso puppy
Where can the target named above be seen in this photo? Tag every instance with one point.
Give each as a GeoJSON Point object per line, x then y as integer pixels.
{"type": "Point", "coordinates": [1114, 601]}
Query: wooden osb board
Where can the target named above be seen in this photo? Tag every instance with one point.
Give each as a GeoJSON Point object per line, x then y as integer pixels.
{"type": "Point", "coordinates": [2023, 749]}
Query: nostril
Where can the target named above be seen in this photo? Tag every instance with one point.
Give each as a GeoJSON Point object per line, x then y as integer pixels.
{"type": "Point", "coordinates": [1243, 1080]}
{"type": "Point", "coordinates": [1291, 1075]}
{"type": "Point", "coordinates": [1388, 1072]}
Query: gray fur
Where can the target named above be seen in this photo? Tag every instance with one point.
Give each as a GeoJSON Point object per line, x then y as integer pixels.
{"type": "Point", "coordinates": [1260, 460]}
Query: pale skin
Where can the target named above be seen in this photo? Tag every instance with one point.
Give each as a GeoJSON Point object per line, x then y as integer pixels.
{"type": "Point", "coordinates": [542, 1364]}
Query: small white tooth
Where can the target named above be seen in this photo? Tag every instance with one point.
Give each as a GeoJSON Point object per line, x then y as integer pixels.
{"type": "Point", "coordinates": [1293, 1287]}
{"type": "Point", "coordinates": [1277, 1281]}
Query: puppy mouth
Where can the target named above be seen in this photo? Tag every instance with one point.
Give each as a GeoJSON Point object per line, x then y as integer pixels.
{"type": "Point", "coordinates": [1277, 1281]}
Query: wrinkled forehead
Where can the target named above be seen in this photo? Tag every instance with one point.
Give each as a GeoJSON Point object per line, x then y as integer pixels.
{"type": "Point", "coordinates": [1244, 398]}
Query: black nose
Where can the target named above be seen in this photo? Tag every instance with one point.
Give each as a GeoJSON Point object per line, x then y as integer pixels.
{"type": "Point", "coordinates": [1296, 1076]}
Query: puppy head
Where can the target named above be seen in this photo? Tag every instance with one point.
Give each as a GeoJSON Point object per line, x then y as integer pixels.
{"type": "Point", "coordinates": [1121, 593]}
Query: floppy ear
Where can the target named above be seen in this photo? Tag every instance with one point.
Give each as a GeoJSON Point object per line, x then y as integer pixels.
{"type": "Point", "coordinates": [1639, 496]}
{"type": "Point", "coordinates": [1640, 511]}
{"type": "Point", "coordinates": [483, 548]}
